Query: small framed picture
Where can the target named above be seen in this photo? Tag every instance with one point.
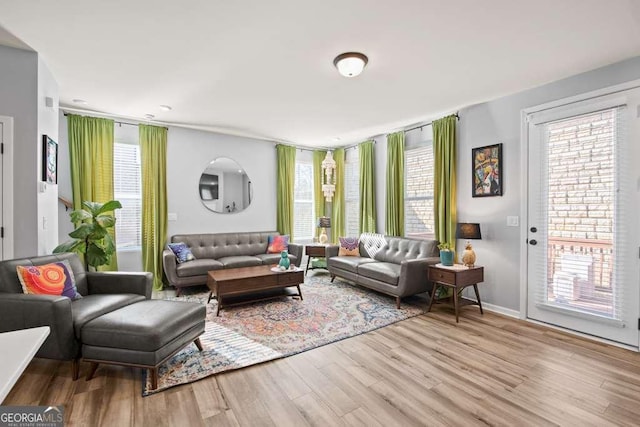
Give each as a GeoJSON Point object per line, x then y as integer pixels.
{"type": "Point", "coordinates": [486, 165]}
{"type": "Point", "coordinates": [49, 160]}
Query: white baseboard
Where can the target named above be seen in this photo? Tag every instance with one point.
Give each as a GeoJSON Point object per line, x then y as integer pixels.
{"type": "Point", "coordinates": [501, 310]}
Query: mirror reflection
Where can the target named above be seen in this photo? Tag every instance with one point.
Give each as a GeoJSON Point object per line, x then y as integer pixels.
{"type": "Point", "coordinates": [225, 187]}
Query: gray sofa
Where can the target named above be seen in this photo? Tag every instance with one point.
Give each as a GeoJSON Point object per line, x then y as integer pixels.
{"type": "Point", "coordinates": [215, 251]}
{"type": "Point", "coordinates": [102, 294]}
{"type": "Point", "coordinates": [398, 269]}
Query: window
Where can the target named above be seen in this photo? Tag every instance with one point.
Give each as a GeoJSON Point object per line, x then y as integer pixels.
{"type": "Point", "coordinates": [352, 192]}
{"type": "Point", "coordinates": [418, 198]}
{"type": "Point", "coordinates": [303, 224]}
{"type": "Point", "coordinates": [127, 188]}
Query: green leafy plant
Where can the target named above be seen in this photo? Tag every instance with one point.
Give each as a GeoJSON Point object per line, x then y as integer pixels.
{"type": "Point", "coordinates": [91, 237]}
{"type": "Point", "coordinates": [444, 246]}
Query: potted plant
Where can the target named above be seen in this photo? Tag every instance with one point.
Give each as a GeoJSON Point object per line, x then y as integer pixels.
{"type": "Point", "coordinates": [91, 238]}
{"type": "Point", "coordinates": [446, 253]}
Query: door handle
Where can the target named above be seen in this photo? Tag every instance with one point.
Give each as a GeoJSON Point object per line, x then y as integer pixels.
{"type": "Point", "coordinates": [533, 242]}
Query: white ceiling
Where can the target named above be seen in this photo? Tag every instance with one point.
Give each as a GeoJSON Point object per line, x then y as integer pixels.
{"type": "Point", "coordinates": [264, 68]}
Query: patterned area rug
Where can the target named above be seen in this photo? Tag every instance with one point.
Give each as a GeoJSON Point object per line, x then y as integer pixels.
{"type": "Point", "coordinates": [254, 333]}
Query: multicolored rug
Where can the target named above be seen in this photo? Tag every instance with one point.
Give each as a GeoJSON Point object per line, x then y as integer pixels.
{"type": "Point", "coordinates": [254, 333]}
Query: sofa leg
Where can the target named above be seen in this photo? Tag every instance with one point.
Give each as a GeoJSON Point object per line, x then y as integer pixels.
{"type": "Point", "coordinates": [332, 278]}
{"type": "Point", "coordinates": [198, 343]}
{"type": "Point", "coordinates": [92, 370]}
{"type": "Point", "coordinates": [75, 369]}
{"type": "Point", "coordinates": [178, 291]}
{"type": "Point", "coordinates": [398, 302]}
{"type": "Point", "coordinates": [154, 377]}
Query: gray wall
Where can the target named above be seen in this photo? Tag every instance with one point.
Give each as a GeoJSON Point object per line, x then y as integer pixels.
{"type": "Point", "coordinates": [24, 81]}
{"type": "Point", "coordinates": [498, 121]}
{"type": "Point", "coordinates": [47, 195]}
{"type": "Point", "coordinates": [189, 152]}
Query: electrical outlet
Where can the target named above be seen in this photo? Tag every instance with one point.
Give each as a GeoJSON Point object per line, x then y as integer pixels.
{"type": "Point", "coordinates": [513, 221]}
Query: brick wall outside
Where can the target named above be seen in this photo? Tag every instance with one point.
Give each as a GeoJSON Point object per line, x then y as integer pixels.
{"type": "Point", "coordinates": [419, 221]}
{"type": "Point", "coordinates": [581, 177]}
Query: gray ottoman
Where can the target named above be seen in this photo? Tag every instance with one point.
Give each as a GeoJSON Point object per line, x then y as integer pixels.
{"type": "Point", "coordinates": [144, 334]}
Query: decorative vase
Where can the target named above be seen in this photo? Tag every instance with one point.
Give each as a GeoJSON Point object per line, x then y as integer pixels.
{"type": "Point", "coordinates": [446, 257]}
{"type": "Point", "coordinates": [284, 260]}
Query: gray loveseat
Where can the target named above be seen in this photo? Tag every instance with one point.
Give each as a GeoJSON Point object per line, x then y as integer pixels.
{"type": "Point", "coordinates": [398, 268]}
{"type": "Point", "coordinates": [215, 251]}
{"type": "Point", "coordinates": [102, 294]}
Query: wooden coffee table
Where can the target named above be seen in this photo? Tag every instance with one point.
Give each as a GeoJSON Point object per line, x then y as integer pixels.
{"type": "Point", "coordinates": [249, 284]}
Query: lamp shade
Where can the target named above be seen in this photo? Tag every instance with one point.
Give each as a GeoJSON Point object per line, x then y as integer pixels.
{"type": "Point", "coordinates": [324, 222]}
{"type": "Point", "coordinates": [468, 230]}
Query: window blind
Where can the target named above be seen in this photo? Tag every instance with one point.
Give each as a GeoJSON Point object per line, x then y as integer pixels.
{"type": "Point", "coordinates": [579, 214]}
{"type": "Point", "coordinates": [418, 197]}
{"type": "Point", "coordinates": [352, 192]}
{"type": "Point", "coordinates": [127, 189]}
{"type": "Point", "coordinates": [303, 225]}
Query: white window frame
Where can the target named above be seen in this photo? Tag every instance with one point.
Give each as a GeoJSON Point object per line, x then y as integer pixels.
{"type": "Point", "coordinates": [129, 196]}
{"type": "Point", "coordinates": [408, 150]}
{"type": "Point", "coordinates": [305, 239]}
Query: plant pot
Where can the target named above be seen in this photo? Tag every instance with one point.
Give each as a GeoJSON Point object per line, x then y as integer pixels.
{"type": "Point", "coordinates": [446, 257]}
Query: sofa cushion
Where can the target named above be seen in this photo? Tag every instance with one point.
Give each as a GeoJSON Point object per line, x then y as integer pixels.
{"type": "Point", "coordinates": [387, 272]}
{"type": "Point", "coordinates": [399, 249]}
{"type": "Point", "coordinates": [144, 326]}
{"type": "Point", "coordinates": [48, 279]}
{"type": "Point", "coordinates": [181, 251]}
{"type": "Point", "coordinates": [277, 244]}
{"type": "Point", "coordinates": [371, 243]}
{"type": "Point", "coordinates": [348, 246]}
{"type": "Point", "coordinates": [268, 259]}
{"type": "Point", "coordinates": [218, 245]}
{"type": "Point", "coordinates": [240, 261]}
{"type": "Point", "coordinates": [348, 263]}
{"type": "Point", "coordinates": [91, 306]}
{"type": "Point", "coordinates": [197, 267]}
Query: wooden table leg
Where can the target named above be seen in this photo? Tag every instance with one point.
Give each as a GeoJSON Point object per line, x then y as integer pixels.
{"type": "Point", "coordinates": [300, 293]}
{"type": "Point", "coordinates": [455, 302]}
{"type": "Point", "coordinates": [219, 304]}
{"type": "Point", "coordinates": [475, 288]}
{"type": "Point", "coordinates": [210, 295]}
{"type": "Point", "coordinates": [307, 269]}
{"type": "Point", "coordinates": [433, 296]}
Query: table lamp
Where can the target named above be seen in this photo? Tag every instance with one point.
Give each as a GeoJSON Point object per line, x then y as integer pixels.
{"type": "Point", "coordinates": [468, 230]}
{"type": "Point", "coordinates": [324, 222]}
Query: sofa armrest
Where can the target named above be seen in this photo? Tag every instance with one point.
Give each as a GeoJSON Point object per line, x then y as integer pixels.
{"type": "Point", "coordinates": [296, 249]}
{"type": "Point", "coordinates": [22, 311]}
{"type": "Point", "coordinates": [170, 263]}
{"type": "Point", "coordinates": [112, 282]}
{"type": "Point", "coordinates": [414, 274]}
{"type": "Point", "coordinates": [331, 250]}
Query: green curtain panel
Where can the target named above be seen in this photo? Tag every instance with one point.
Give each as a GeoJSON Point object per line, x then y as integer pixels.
{"type": "Point", "coordinates": [444, 193]}
{"type": "Point", "coordinates": [153, 155]}
{"type": "Point", "coordinates": [318, 196]}
{"type": "Point", "coordinates": [286, 158]}
{"type": "Point", "coordinates": [91, 162]}
{"type": "Point", "coordinates": [394, 220]}
{"type": "Point", "coordinates": [367, 188]}
{"type": "Point", "coordinates": [338, 226]}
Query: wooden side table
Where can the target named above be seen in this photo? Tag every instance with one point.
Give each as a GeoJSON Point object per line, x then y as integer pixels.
{"type": "Point", "coordinates": [315, 250]}
{"type": "Point", "coordinates": [457, 278]}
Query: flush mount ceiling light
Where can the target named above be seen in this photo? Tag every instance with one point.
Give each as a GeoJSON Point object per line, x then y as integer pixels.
{"type": "Point", "coordinates": [350, 64]}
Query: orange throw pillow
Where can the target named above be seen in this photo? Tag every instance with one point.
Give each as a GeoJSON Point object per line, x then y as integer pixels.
{"type": "Point", "coordinates": [48, 279]}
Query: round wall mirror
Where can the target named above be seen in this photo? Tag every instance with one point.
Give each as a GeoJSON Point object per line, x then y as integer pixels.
{"type": "Point", "coordinates": [225, 187]}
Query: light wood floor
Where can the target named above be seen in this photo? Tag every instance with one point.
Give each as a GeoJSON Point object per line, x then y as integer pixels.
{"type": "Point", "coordinates": [486, 370]}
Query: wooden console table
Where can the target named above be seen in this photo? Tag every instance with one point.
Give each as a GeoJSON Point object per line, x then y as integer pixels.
{"type": "Point", "coordinates": [456, 277]}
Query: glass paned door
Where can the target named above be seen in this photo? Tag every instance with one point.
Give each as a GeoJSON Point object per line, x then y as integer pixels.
{"type": "Point", "coordinates": [582, 273]}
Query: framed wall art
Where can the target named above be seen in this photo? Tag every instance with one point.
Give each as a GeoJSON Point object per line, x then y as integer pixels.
{"type": "Point", "coordinates": [49, 160]}
{"type": "Point", "coordinates": [486, 169]}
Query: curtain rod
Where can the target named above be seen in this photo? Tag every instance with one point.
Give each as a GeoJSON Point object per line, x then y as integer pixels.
{"type": "Point", "coordinates": [428, 124]}
{"type": "Point", "coordinates": [114, 121]}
